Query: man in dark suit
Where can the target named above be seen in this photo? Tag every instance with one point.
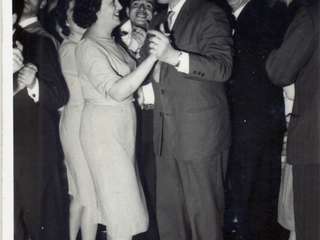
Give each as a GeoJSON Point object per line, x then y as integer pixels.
{"type": "Point", "coordinates": [298, 61]}
{"type": "Point", "coordinates": [257, 112]}
{"type": "Point", "coordinates": [39, 89]}
{"type": "Point", "coordinates": [192, 130]}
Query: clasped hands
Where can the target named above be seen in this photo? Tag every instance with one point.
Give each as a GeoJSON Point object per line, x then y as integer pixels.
{"type": "Point", "coordinates": [27, 75]}
{"type": "Point", "coordinates": [138, 36]}
{"type": "Point", "coordinates": [160, 46]}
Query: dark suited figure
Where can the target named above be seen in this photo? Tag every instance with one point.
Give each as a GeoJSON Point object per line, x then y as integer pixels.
{"type": "Point", "coordinates": [39, 89]}
{"type": "Point", "coordinates": [257, 112]}
{"type": "Point", "coordinates": [192, 130]}
{"type": "Point", "coordinates": [29, 19]}
{"type": "Point", "coordinates": [297, 61]}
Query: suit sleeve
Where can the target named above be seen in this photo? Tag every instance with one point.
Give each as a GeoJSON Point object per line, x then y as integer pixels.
{"type": "Point", "coordinates": [214, 63]}
{"type": "Point", "coordinates": [53, 91]}
{"type": "Point", "coordinates": [284, 64]}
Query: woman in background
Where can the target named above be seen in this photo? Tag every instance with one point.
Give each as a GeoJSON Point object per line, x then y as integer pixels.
{"type": "Point", "coordinates": [108, 125]}
{"type": "Point", "coordinates": [83, 203]}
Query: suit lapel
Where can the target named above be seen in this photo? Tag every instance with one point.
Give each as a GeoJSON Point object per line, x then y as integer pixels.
{"type": "Point", "coordinates": [182, 18]}
{"type": "Point", "coordinates": [176, 28]}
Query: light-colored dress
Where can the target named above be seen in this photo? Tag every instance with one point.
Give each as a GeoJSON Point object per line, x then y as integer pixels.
{"type": "Point", "coordinates": [79, 177]}
{"type": "Point", "coordinates": [108, 130]}
{"type": "Point", "coordinates": [285, 204]}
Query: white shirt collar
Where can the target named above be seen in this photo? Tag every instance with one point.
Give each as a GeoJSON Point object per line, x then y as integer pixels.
{"type": "Point", "coordinates": [28, 21]}
{"type": "Point", "coordinates": [126, 27]}
{"type": "Point", "coordinates": [239, 10]}
{"type": "Point", "coordinates": [176, 11]}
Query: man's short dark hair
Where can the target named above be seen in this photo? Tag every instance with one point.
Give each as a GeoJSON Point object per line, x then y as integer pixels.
{"type": "Point", "coordinates": [17, 7]}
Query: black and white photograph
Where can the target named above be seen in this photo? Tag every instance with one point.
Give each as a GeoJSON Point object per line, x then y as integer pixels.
{"type": "Point", "coordinates": [160, 120]}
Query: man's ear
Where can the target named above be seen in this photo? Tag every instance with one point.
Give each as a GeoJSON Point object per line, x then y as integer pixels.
{"type": "Point", "coordinates": [128, 12]}
{"type": "Point", "coordinates": [43, 4]}
{"type": "Point", "coordinates": [14, 18]}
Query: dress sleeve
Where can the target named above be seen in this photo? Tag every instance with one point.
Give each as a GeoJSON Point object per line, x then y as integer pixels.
{"type": "Point", "coordinates": [94, 62]}
{"type": "Point", "coordinates": [67, 59]}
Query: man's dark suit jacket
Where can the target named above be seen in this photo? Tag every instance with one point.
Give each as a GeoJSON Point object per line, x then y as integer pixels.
{"type": "Point", "coordinates": [257, 113]}
{"type": "Point", "coordinates": [34, 122]}
{"type": "Point", "coordinates": [37, 28]}
{"type": "Point", "coordinates": [194, 105]}
{"type": "Point", "coordinates": [252, 94]}
{"type": "Point", "coordinates": [36, 153]}
{"type": "Point", "coordinates": [297, 61]}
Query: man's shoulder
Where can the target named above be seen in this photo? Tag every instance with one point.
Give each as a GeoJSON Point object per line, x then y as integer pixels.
{"type": "Point", "coordinates": [36, 48]}
{"type": "Point", "coordinates": [37, 28]}
{"type": "Point", "coordinates": [34, 40]}
{"type": "Point", "coordinates": [200, 6]}
{"type": "Point", "coordinates": [204, 8]}
{"type": "Point", "coordinates": [194, 7]}
{"type": "Point", "coordinates": [314, 10]}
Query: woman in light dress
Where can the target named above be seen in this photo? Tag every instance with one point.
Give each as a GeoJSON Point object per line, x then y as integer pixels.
{"type": "Point", "coordinates": [83, 209]}
{"type": "Point", "coordinates": [109, 78]}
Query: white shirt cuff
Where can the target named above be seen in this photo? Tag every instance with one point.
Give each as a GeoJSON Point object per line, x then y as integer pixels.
{"type": "Point", "coordinates": [34, 92]}
{"type": "Point", "coordinates": [148, 94]}
{"type": "Point", "coordinates": [184, 63]}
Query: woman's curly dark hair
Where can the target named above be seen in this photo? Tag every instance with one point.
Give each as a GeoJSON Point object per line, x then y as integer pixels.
{"type": "Point", "coordinates": [85, 12]}
{"type": "Point", "coordinates": [60, 15]}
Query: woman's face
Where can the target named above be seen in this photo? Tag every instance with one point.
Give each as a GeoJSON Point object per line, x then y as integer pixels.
{"type": "Point", "coordinates": [110, 12]}
{"type": "Point", "coordinates": [74, 28]}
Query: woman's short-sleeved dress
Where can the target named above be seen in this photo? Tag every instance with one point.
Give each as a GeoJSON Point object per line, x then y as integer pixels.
{"type": "Point", "coordinates": [107, 134]}
{"type": "Point", "coordinates": [80, 181]}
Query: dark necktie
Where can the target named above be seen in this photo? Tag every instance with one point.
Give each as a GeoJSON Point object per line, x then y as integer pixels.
{"type": "Point", "coordinates": [167, 25]}
{"type": "Point", "coordinates": [168, 21]}
{"type": "Point", "coordinates": [233, 23]}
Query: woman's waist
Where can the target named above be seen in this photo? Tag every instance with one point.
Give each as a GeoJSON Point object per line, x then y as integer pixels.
{"type": "Point", "coordinates": [108, 102]}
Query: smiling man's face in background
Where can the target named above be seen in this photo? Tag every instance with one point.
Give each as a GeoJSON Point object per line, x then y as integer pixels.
{"type": "Point", "coordinates": [140, 11]}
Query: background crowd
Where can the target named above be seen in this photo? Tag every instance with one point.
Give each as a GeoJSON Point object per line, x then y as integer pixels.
{"type": "Point", "coordinates": [166, 119]}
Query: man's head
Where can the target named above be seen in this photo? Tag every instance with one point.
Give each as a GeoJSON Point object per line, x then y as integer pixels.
{"type": "Point", "coordinates": [32, 8]}
{"type": "Point", "coordinates": [140, 11]}
{"type": "Point", "coordinates": [17, 9]}
{"type": "Point", "coordinates": [236, 4]}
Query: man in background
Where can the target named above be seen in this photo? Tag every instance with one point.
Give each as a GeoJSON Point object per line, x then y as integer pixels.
{"type": "Point", "coordinates": [39, 89]}
{"type": "Point", "coordinates": [257, 114]}
{"type": "Point", "coordinates": [297, 61]}
{"type": "Point", "coordinates": [29, 19]}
